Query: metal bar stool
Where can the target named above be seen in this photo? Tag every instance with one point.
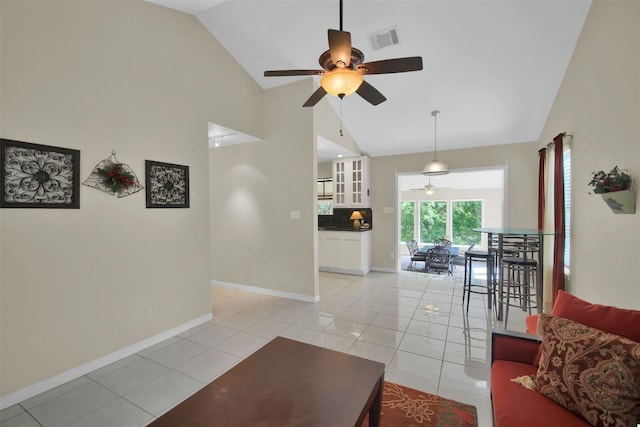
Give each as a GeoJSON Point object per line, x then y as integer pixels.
{"type": "Point", "coordinates": [520, 290]}
{"type": "Point", "coordinates": [468, 286]}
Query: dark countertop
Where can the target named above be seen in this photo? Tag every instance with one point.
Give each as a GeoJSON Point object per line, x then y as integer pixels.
{"type": "Point", "coordinates": [345, 228]}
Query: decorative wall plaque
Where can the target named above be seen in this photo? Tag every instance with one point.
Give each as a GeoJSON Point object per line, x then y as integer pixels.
{"type": "Point", "coordinates": [167, 185]}
{"type": "Point", "coordinates": [38, 176]}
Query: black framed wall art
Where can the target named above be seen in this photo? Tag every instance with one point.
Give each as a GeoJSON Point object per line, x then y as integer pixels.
{"type": "Point", "coordinates": [38, 176]}
{"type": "Point", "coordinates": [167, 185]}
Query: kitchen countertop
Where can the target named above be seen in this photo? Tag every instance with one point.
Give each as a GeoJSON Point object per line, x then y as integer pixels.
{"type": "Point", "coordinates": [346, 228]}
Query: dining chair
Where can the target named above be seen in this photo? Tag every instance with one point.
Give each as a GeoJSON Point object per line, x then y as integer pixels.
{"type": "Point", "coordinates": [412, 245]}
{"type": "Point", "coordinates": [445, 243]}
{"type": "Point", "coordinates": [438, 260]}
{"type": "Point", "coordinates": [441, 242]}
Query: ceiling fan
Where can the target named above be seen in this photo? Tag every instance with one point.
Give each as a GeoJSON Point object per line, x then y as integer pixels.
{"type": "Point", "coordinates": [430, 188]}
{"type": "Point", "coordinates": [343, 68]}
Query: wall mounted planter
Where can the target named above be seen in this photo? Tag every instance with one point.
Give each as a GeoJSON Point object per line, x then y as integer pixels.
{"type": "Point", "coordinates": [620, 202]}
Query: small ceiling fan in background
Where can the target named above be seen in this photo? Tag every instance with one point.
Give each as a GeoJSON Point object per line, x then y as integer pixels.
{"type": "Point", "coordinates": [343, 68]}
{"type": "Point", "coordinates": [430, 188]}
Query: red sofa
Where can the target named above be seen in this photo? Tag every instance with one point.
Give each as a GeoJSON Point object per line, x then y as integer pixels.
{"type": "Point", "coordinates": [517, 354]}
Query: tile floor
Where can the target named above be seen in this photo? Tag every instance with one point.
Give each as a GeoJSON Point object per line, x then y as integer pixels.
{"type": "Point", "coordinates": [413, 322]}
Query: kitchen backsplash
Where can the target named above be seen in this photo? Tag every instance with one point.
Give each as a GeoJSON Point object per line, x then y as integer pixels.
{"type": "Point", "coordinates": [340, 217]}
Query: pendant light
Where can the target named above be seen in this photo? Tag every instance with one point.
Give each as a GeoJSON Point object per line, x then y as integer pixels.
{"type": "Point", "coordinates": [435, 167]}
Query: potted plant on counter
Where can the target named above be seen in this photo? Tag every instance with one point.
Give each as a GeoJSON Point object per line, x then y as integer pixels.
{"type": "Point", "coordinates": [615, 188]}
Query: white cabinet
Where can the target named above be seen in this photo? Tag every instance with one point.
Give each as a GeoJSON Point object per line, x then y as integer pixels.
{"type": "Point", "coordinates": [351, 182]}
{"type": "Point", "coordinates": [345, 251]}
{"type": "Point", "coordinates": [352, 251]}
{"type": "Point", "coordinates": [330, 245]}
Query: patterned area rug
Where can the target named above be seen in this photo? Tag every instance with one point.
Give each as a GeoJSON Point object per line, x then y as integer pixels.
{"type": "Point", "coordinates": [406, 407]}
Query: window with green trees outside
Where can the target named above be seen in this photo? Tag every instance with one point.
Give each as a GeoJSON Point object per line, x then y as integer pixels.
{"type": "Point", "coordinates": [465, 216]}
{"type": "Point", "coordinates": [433, 221]}
{"type": "Point", "coordinates": [437, 219]}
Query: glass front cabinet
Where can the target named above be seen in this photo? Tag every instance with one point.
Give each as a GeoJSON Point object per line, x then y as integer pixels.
{"type": "Point", "coordinates": [351, 182]}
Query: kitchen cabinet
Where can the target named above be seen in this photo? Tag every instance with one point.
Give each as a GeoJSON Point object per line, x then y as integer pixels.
{"type": "Point", "coordinates": [330, 245]}
{"type": "Point", "coordinates": [345, 251]}
{"type": "Point", "coordinates": [351, 182]}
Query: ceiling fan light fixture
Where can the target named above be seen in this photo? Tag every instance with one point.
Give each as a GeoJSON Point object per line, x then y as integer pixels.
{"type": "Point", "coordinates": [436, 167]}
{"type": "Point", "coordinates": [341, 81]}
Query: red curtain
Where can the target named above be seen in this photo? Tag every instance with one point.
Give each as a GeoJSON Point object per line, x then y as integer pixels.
{"type": "Point", "coordinates": [542, 181]}
{"type": "Point", "coordinates": [558, 216]}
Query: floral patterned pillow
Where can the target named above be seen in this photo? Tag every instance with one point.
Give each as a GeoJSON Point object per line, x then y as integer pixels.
{"type": "Point", "coordinates": [592, 373]}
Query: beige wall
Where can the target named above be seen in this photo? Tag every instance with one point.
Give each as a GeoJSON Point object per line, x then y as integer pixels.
{"type": "Point", "coordinates": [254, 189]}
{"type": "Point", "coordinates": [96, 76]}
{"type": "Point", "coordinates": [599, 103]}
{"type": "Point", "coordinates": [325, 170]}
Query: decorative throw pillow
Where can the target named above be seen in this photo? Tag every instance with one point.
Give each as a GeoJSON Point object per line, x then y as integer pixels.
{"type": "Point", "coordinates": [592, 373]}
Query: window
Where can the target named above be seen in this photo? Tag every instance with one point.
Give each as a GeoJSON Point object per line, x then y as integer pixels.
{"type": "Point", "coordinates": [566, 164]}
{"type": "Point", "coordinates": [454, 219]}
{"type": "Point", "coordinates": [407, 221]}
{"type": "Point", "coordinates": [433, 221]}
{"type": "Point", "coordinates": [466, 215]}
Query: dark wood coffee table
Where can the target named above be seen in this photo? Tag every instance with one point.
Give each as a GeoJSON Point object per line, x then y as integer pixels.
{"type": "Point", "coordinates": [287, 383]}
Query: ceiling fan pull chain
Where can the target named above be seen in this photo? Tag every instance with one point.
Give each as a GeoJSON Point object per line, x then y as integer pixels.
{"type": "Point", "coordinates": [341, 134]}
{"type": "Point", "coordinates": [340, 15]}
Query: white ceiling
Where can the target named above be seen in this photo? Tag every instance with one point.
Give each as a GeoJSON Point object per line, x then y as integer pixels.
{"type": "Point", "coordinates": [492, 67]}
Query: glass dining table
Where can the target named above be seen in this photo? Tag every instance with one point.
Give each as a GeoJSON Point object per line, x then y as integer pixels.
{"type": "Point", "coordinates": [503, 241]}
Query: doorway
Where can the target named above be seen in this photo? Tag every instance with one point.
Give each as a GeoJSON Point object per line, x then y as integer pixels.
{"type": "Point", "coordinates": [448, 206]}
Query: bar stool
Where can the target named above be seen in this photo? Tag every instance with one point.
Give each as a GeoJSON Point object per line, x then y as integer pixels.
{"type": "Point", "coordinates": [468, 287]}
{"type": "Point", "coordinates": [520, 285]}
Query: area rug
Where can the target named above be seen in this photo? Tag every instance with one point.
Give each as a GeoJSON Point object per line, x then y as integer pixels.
{"type": "Point", "coordinates": [406, 407]}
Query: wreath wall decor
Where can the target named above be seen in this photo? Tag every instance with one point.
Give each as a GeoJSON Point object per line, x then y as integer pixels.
{"type": "Point", "coordinates": [167, 185]}
{"type": "Point", "coordinates": [114, 178]}
{"type": "Point", "coordinates": [38, 176]}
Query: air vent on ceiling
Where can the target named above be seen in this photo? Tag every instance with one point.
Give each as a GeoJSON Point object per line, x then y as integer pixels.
{"type": "Point", "coordinates": [385, 38]}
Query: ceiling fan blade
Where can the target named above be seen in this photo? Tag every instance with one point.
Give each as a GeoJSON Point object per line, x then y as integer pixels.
{"type": "Point", "coordinates": [370, 94]}
{"type": "Point", "coordinates": [286, 73]}
{"type": "Point", "coordinates": [340, 48]}
{"type": "Point", "coordinates": [317, 96]}
{"type": "Point", "coordinates": [387, 66]}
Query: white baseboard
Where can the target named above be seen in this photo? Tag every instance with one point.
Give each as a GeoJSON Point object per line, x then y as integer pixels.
{"type": "Point", "coordinates": [383, 270]}
{"type": "Point", "coordinates": [265, 291]}
{"type": "Point", "coordinates": [344, 271]}
{"type": "Point", "coordinates": [48, 384]}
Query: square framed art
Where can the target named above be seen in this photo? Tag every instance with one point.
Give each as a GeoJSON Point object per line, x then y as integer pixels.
{"type": "Point", "coordinates": [167, 185]}
{"type": "Point", "coordinates": [38, 176]}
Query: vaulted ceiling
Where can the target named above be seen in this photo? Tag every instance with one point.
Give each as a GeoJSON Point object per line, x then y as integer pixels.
{"type": "Point", "coordinates": [492, 67]}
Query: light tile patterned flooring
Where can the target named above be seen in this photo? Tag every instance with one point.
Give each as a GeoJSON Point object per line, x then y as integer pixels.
{"type": "Point", "coordinates": [413, 322]}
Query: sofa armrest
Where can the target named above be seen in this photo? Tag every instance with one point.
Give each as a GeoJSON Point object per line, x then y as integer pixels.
{"type": "Point", "coordinates": [514, 346]}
